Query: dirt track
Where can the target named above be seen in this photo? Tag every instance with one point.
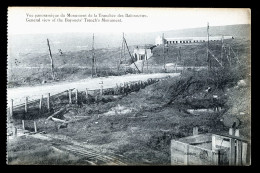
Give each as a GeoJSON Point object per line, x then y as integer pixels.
{"type": "Point", "coordinates": [35, 92]}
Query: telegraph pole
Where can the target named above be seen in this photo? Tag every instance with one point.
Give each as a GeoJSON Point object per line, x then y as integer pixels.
{"type": "Point", "coordinates": [121, 54]}
{"type": "Point", "coordinates": [222, 44]}
{"type": "Point", "coordinates": [163, 53]}
{"type": "Point", "coordinates": [52, 66]}
{"type": "Point", "coordinates": [124, 51]}
{"type": "Point", "coordinates": [209, 61]}
{"type": "Point", "coordinates": [93, 58]}
{"type": "Point", "coordinates": [146, 59]}
{"type": "Point", "coordinates": [180, 58]}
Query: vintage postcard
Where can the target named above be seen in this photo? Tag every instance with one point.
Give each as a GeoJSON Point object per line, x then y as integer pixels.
{"type": "Point", "coordinates": [128, 86]}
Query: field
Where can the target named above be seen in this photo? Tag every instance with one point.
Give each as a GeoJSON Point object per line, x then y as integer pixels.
{"type": "Point", "coordinates": [136, 128]}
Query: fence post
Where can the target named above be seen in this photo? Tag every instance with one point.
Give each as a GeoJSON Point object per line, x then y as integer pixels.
{"type": "Point", "coordinates": [48, 101]}
{"type": "Point", "coordinates": [76, 96]}
{"type": "Point", "coordinates": [101, 90]}
{"type": "Point", "coordinates": [213, 142]}
{"type": "Point", "coordinates": [231, 131]}
{"type": "Point", "coordinates": [195, 131]}
{"type": "Point", "coordinates": [25, 106]}
{"type": "Point", "coordinates": [35, 126]}
{"type": "Point", "coordinates": [215, 157]}
{"type": "Point", "coordinates": [232, 152]}
{"type": "Point", "coordinates": [86, 93]}
{"type": "Point", "coordinates": [15, 132]}
{"type": "Point", "coordinates": [40, 105]}
{"type": "Point", "coordinates": [239, 153]}
{"type": "Point", "coordinates": [70, 102]}
{"type": "Point", "coordinates": [11, 108]}
{"type": "Point", "coordinates": [115, 90]}
{"type": "Point", "coordinates": [186, 154]}
{"type": "Point", "coordinates": [244, 153]}
{"type": "Point", "coordinates": [96, 98]}
{"type": "Point", "coordinates": [237, 132]}
{"type": "Point", "coordinates": [23, 124]}
{"type": "Point", "coordinates": [119, 89]}
{"type": "Point", "coordinates": [219, 158]}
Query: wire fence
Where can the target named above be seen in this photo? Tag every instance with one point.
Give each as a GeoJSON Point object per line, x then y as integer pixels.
{"type": "Point", "coordinates": [36, 108]}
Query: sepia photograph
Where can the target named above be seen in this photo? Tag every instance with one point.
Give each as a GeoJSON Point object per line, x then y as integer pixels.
{"type": "Point", "coordinates": [125, 86]}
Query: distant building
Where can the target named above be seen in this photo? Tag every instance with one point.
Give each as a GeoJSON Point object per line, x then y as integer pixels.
{"type": "Point", "coordinates": [160, 40]}
{"type": "Point", "coordinates": [142, 53]}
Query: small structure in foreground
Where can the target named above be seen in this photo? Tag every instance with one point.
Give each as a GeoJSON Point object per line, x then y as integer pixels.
{"type": "Point", "coordinates": [210, 149]}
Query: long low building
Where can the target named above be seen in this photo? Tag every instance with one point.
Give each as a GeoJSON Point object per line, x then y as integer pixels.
{"type": "Point", "coordinates": [175, 40]}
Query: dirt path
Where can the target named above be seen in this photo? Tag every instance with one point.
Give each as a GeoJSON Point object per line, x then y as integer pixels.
{"type": "Point", "coordinates": [35, 92]}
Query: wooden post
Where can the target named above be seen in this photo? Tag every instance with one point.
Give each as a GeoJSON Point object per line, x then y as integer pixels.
{"type": "Point", "coordinates": [195, 131]}
{"type": "Point", "coordinates": [209, 60]}
{"type": "Point", "coordinates": [120, 89]}
{"type": "Point", "coordinates": [186, 154]}
{"type": "Point", "coordinates": [213, 142]}
{"type": "Point", "coordinates": [40, 105]}
{"type": "Point", "coordinates": [93, 58]}
{"type": "Point", "coordinates": [237, 132]}
{"type": "Point", "coordinates": [232, 152]}
{"type": "Point", "coordinates": [35, 126]}
{"type": "Point", "coordinates": [70, 102]}
{"type": "Point", "coordinates": [11, 107]}
{"type": "Point", "coordinates": [215, 157]}
{"type": "Point", "coordinates": [123, 88]}
{"type": "Point", "coordinates": [101, 90]}
{"type": "Point", "coordinates": [219, 160]}
{"type": "Point", "coordinates": [25, 106]}
{"type": "Point", "coordinates": [15, 132]}
{"type": "Point", "coordinates": [48, 102]}
{"type": "Point", "coordinates": [221, 55]}
{"type": "Point", "coordinates": [76, 96]}
{"type": "Point", "coordinates": [115, 91]}
{"type": "Point", "coordinates": [244, 153]}
{"type": "Point", "coordinates": [86, 93]}
{"type": "Point", "coordinates": [164, 67]}
{"type": "Point", "coordinates": [96, 98]}
{"type": "Point", "coordinates": [23, 124]}
{"type": "Point", "coordinates": [231, 131]}
{"type": "Point", "coordinates": [52, 66]}
{"type": "Point", "coordinates": [239, 153]}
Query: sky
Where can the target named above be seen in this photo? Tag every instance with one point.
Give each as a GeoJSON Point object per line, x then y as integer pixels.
{"type": "Point", "coordinates": [156, 19]}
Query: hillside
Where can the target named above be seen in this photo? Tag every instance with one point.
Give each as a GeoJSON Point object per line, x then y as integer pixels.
{"type": "Point", "coordinates": [136, 127]}
{"type": "Point", "coordinates": [238, 31]}
{"type": "Point", "coordinates": [36, 43]}
{"type": "Point", "coordinates": [76, 63]}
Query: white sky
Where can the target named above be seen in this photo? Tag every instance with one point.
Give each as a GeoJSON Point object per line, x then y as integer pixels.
{"type": "Point", "coordinates": [159, 19]}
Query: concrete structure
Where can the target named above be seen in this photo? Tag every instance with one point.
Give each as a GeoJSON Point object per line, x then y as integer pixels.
{"type": "Point", "coordinates": [210, 149]}
{"type": "Point", "coordinates": [175, 40]}
{"type": "Point", "coordinates": [142, 53]}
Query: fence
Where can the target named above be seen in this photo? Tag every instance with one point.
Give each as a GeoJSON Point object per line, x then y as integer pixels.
{"type": "Point", "coordinates": [44, 106]}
